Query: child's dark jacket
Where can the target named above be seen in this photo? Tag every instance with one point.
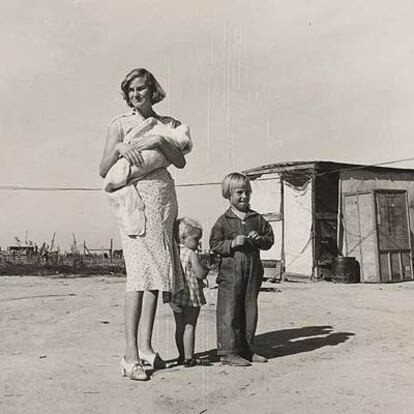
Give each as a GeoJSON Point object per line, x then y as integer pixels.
{"type": "Point", "coordinates": [245, 258]}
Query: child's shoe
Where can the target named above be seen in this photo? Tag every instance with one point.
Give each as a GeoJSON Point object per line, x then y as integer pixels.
{"type": "Point", "coordinates": [192, 362]}
{"type": "Point", "coordinates": [234, 360]}
{"type": "Point", "coordinates": [153, 360]}
{"type": "Point", "coordinates": [253, 357]}
{"type": "Point", "coordinates": [257, 358]}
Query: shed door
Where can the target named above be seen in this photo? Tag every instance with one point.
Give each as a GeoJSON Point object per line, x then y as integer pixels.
{"type": "Point", "coordinates": [360, 235]}
{"type": "Point", "coordinates": [393, 231]}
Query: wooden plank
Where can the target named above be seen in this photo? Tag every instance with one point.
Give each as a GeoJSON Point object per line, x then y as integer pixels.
{"type": "Point", "coordinates": [326, 216]}
{"type": "Point", "coordinates": [400, 262]}
{"type": "Point", "coordinates": [389, 265]}
{"type": "Point", "coordinates": [273, 216]}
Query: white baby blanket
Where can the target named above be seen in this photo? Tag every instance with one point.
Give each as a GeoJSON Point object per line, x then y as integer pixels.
{"type": "Point", "coordinates": [120, 179]}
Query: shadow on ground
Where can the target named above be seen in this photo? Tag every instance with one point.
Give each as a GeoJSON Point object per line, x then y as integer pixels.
{"type": "Point", "coordinates": [275, 344]}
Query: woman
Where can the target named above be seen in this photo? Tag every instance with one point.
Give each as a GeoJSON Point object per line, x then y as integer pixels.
{"type": "Point", "coordinates": [152, 260]}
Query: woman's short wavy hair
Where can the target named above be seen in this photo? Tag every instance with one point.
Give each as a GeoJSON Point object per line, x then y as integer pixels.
{"type": "Point", "coordinates": [233, 180]}
{"type": "Point", "coordinates": [188, 227]}
{"type": "Point", "coordinates": [158, 93]}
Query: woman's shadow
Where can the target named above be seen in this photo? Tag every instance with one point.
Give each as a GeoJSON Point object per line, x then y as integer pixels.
{"type": "Point", "coordinates": [285, 342]}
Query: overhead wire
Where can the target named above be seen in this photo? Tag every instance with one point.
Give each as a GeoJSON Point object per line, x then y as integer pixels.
{"type": "Point", "coordinates": [201, 184]}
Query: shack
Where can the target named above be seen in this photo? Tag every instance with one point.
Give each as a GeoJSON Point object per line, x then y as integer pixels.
{"type": "Point", "coordinates": [25, 250]}
{"type": "Point", "coordinates": [322, 210]}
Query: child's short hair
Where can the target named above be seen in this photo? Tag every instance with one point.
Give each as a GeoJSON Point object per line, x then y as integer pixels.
{"type": "Point", "coordinates": [231, 181]}
{"type": "Point", "coordinates": [188, 227]}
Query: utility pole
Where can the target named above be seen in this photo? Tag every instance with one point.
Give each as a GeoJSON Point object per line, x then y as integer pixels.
{"type": "Point", "coordinates": [52, 243]}
{"type": "Point", "coordinates": [282, 231]}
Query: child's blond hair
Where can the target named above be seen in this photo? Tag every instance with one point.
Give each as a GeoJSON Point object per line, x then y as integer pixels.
{"type": "Point", "coordinates": [188, 227]}
{"type": "Point", "coordinates": [231, 181]}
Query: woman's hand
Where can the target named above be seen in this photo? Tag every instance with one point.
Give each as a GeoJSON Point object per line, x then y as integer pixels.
{"type": "Point", "coordinates": [149, 142]}
{"type": "Point", "coordinates": [130, 153]}
{"type": "Point", "coordinates": [170, 151]}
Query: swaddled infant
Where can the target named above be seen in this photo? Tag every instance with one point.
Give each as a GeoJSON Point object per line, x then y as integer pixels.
{"type": "Point", "coordinates": [122, 173]}
{"type": "Point", "coordinates": [119, 182]}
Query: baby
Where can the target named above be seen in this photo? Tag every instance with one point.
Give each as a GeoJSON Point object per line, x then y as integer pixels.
{"type": "Point", "coordinates": [122, 173]}
{"type": "Point", "coordinates": [119, 181]}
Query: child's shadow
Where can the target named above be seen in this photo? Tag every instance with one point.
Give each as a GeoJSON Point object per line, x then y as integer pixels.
{"type": "Point", "coordinates": [285, 342]}
{"type": "Point", "coordinates": [297, 340]}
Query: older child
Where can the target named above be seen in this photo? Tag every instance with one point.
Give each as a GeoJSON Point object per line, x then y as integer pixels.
{"type": "Point", "coordinates": [237, 237]}
{"type": "Point", "coordinates": [186, 303]}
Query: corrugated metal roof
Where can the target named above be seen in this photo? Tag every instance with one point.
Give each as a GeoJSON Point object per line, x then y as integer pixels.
{"type": "Point", "coordinates": [320, 166]}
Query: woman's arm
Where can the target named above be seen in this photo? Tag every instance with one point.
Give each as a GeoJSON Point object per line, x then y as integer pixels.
{"type": "Point", "coordinates": [170, 151]}
{"type": "Point", "coordinates": [114, 149]}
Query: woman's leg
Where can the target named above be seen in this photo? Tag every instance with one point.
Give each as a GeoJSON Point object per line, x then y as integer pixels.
{"type": "Point", "coordinates": [179, 333]}
{"type": "Point", "coordinates": [146, 324]}
{"type": "Point", "coordinates": [190, 316]}
{"type": "Point", "coordinates": [132, 313]}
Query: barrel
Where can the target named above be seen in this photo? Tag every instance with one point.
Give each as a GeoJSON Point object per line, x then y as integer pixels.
{"type": "Point", "coordinates": [345, 269]}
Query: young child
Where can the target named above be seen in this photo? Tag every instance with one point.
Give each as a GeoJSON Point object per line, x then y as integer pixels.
{"type": "Point", "coordinates": [237, 236]}
{"type": "Point", "coordinates": [186, 303]}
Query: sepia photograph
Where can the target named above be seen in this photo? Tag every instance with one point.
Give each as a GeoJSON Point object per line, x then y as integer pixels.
{"type": "Point", "coordinates": [207, 207]}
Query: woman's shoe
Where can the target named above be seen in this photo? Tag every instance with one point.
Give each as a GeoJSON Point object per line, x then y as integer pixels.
{"type": "Point", "coordinates": [133, 370]}
{"type": "Point", "coordinates": [154, 360]}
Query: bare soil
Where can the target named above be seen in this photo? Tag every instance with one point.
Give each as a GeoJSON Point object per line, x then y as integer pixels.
{"type": "Point", "coordinates": [332, 348]}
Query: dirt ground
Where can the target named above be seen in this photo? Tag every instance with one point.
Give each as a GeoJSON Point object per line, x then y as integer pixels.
{"type": "Point", "coordinates": [332, 348]}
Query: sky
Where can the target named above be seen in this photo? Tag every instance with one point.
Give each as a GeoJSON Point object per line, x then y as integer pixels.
{"type": "Point", "coordinates": [257, 82]}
